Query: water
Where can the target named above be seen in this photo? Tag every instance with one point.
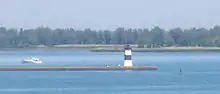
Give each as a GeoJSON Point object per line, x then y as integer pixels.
{"type": "Point", "coordinates": [200, 73]}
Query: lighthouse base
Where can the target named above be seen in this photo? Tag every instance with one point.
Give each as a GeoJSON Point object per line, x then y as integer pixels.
{"type": "Point", "coordinates": [128, 63]}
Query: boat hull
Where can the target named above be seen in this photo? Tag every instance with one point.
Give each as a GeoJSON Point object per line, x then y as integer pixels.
{"type": "Point", "coordinates": [29, 61]}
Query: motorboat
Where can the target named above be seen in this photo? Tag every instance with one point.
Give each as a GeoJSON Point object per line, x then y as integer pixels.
{"type": "Point", "coordinates": [32, 60]}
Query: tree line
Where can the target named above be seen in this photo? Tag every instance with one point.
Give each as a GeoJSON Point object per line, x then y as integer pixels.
{"type": "Point", "coordinates": [144, 37]}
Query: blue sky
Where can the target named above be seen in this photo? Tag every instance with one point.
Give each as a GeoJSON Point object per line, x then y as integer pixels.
{"type": "Point", "coordinates": [109, 14]}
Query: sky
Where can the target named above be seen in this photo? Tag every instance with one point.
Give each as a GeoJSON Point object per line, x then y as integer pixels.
{"type": "Point", "coordinates": [109, 14]}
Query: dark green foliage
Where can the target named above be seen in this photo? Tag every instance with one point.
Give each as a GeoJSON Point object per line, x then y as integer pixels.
{"type": "Point", "coordinates": [155, 37]}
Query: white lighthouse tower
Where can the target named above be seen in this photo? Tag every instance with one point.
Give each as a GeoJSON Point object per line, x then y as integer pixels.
{"type": "Point", "coordinates": [127, 56]}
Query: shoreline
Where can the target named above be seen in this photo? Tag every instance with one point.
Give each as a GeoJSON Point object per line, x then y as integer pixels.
{"type": "Point", "coordinates": [165, 49]}
{"type": "Point", "coordinates": [116, 49]}
{"type": "Point", "coordinates": [113, 48]}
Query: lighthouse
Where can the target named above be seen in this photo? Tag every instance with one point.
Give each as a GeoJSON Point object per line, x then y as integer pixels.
{"type": "Point", "coordinates": [127, 56]}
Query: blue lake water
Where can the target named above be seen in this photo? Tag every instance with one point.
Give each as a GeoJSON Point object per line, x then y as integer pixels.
{"type": "Point", "coordinates": [200, 73]}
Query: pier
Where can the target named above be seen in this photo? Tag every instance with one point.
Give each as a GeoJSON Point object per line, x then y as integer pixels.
{"type": "Point", "coordinates": [78, 68]}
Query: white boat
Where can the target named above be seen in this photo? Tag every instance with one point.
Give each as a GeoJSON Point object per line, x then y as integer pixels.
{"type": "Point", "coordinates": [32, 60]}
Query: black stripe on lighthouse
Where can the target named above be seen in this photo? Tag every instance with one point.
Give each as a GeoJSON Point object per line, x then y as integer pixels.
{"type": "Point", "coordinates": [127, 57]}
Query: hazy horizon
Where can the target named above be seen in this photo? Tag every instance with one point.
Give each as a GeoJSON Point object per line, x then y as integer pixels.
{"type": "Point", "coordinates": [109, 14]}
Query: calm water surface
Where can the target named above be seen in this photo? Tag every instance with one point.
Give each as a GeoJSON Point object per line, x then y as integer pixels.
{"type": "Point", "coordinates": [200, 73]}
